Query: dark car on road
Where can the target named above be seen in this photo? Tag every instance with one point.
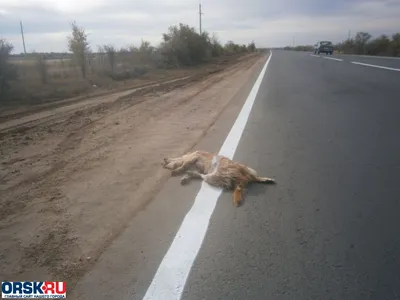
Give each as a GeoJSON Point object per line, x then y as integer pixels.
{"type": "Point", "coordinates": [323, 47]}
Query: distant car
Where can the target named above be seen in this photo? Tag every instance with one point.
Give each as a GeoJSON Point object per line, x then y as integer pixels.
{"type": "Point", "coordinates": [323, 47]}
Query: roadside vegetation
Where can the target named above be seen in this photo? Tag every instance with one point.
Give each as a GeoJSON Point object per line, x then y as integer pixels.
{"type": "Point", "coordinates": [363, 44]}
{"type": "Point", "coordinates": [41, 77]}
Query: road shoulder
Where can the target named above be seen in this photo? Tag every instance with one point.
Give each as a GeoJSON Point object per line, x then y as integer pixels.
{"type": "Point", "coordinates": [134, 256]}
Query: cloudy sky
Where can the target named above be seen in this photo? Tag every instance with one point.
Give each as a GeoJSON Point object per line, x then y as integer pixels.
{"type": "Point", "coordinates": [126, 22]}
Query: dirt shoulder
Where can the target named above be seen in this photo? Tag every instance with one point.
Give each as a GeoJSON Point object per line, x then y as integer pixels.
{"type": "Point", "coordinates": [70, 183]}
{"type": "Point", "coordinates": [153, 77]}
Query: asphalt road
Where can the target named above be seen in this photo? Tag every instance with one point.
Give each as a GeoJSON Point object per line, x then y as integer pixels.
{"type": "Point", "coordinates": [328, 132]}
{"type": "Point", "coordinates": [391, 62]}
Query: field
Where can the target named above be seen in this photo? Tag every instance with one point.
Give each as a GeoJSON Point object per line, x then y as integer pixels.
{"type": "Point", "coordinates": [73, 172]}
{"type": "Point", "coordinates": [49, 80]}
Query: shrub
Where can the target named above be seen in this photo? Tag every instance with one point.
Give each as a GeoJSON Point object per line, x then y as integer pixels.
{"type": "Point", "coordinates": [8, 71]}
{"type": "Point", "coordinates": [182, 45]}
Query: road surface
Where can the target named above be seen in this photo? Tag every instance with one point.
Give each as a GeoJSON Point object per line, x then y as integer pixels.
{"type": "Point", "coordinates": [383, 62]}
{"type": "Point", "coordinates": [328, 132]}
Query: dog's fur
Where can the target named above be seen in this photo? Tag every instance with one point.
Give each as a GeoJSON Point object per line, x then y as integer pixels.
{"type": "Point", "coordinates": [216, 170]}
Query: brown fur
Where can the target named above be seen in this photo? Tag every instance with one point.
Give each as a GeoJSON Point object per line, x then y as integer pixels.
{"type": "Point", "coordinates": [216, 170]}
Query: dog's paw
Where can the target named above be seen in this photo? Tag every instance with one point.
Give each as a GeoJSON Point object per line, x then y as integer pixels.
{"type": "Point", "coordinates": [184, 180]}
{"type": "Point", "coordinates": [165, 162]}
{"type": "Point", "coordinates": [192, 173]}
{"type": "Point", "coordinates": [175, 172]}
{"type": "Point", "coordinates": [237, 204]}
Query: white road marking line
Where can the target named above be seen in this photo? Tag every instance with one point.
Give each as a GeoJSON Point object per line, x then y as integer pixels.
{"type": "Point", "coordinates": [313, 55]}
{"type": "Point", "coordinates": [375, 66]}
{"type": "Point", "coordinates": [170, 279]}
{"type": "Point", "coordinates": [373, 56]}
{"type": "Point", "coordinates": [332, 58]}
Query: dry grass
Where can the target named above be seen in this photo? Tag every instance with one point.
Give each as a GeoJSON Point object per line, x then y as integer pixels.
{"type": "Point", "coordinates": [64, 79]}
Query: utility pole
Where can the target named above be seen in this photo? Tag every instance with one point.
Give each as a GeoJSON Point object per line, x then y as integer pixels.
{"type": "Point", "coordinates": [348, 37]}
{"type": "Point", "coordinates": [200, 13]}
{"type": "Point", "coordinates": [22, 34]}
{"type": "Point", "coordinates": [293, 40]}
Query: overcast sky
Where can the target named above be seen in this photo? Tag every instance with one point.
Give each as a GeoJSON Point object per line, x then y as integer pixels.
{"type": "Point", "coordinates": [126, 22]}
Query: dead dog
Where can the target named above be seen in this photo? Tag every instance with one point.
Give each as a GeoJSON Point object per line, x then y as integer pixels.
{"type": "Point", "coordinates": [216, 170]}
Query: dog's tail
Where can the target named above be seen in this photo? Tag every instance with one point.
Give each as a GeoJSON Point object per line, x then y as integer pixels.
{"type": "Point", "coordinates": [264, 179]}
{"type": "Point", "coordinates": [237, 195]}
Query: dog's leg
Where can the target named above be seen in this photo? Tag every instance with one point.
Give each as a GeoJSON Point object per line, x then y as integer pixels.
{"type": "Point", "coordinates": [185, 165]}
{"type": "Point", "coordinates": [185, 179]}
{"type": "Point", "coordinates": [209, 178]}
{"type": "Point", "coordinates": [215, 180]}
{"type": "Point", "coordinates": [190, 175]}
{"type": "Point", "coordinates": [237, 195]}
{"type": "Point", "coordinates": [194, 174]}
{"type": "Point", "coordinates": [212, 178]}
{"type": "Point", "coordinates": [171, 163]}
{"type": "Point", "coordinates": [176, 165]}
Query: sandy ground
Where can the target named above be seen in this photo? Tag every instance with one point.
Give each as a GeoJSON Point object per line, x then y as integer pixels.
{"type": "Point", "coordinates": [71, 178]}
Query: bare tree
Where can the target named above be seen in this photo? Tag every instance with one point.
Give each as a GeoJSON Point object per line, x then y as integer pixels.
{"type": "Point", "coordinates": [111, 51]}
{"type": "Point", "coordinates": [252, 47]}
{"type": "Point", "coordinates": [361, 39]}
{"type": "Point", "coordinates": [79, 46]}
{"type": "Point", "coordinates": [217, 49]}
{"type": "Point", "coordinates": [145, 51]}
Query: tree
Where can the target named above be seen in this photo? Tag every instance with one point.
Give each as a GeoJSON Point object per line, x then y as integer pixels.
{"type": "Point", "coordinates": [395, 44]}
{"type": "Point", "coordinates": [252, 47]}
{"type": "Point", "coordinates": [379, 46]}
{"type": "Point", "coordinates": [216, 47]}
{"type": "Point", "coordinates": [348, 46]}
{"type": "Point", "coordinates": [146, 50]}
{"type": "Point", "coordinates": [111, 53]}
{"type": "Point", "coordinates": [8, 72]}
{"type": "Point", "coordinates": [183, 45]}
{"type": "Point", "coordinates": [230, 47]}
{"type": "Point", "coordinates": [79, 46]}
{"type": "Point", "coordinates": [361, 40]}
{"type": "Point", "coordinates": [363, 43]}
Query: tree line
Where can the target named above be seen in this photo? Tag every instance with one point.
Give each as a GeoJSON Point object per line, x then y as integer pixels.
{"type": "Point", "coordinates": [180, 46]}
{"type": "Point", "coordinates": [363, 44]}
